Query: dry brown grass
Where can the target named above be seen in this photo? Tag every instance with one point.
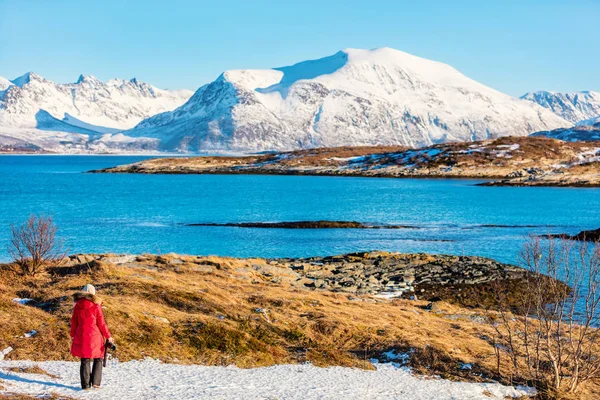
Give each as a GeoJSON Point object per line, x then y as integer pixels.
{"type": "Point", "coordinates": [19, 396]}
{"type": "Point", "coordinates": [222, 317]}
{"type": "Point", "coordinates": [33, 370]}
{"type": "Point", "coordinates": [490, 159]}
{"type": "Point", "coordinates": [226, 315]}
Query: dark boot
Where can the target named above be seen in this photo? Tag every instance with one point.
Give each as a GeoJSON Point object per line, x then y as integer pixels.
{"type": "Point", "coordinates": [97, 372]}
{"type": "Point", "coordinates": [84, 372]}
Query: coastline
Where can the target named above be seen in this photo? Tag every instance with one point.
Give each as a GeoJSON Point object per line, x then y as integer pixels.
{"type": "Point", "coordinates": [507, 161]}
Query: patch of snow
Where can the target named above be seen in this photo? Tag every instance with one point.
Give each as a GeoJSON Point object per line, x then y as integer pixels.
{"type": "Point", "coordinates": [402, 358]}
{"type": "Point", "coordinates": [30, 334]}
{"type": "Point", "coordinates": [22, 301]}
{"type": "Point", "coordinates": [511, 147]}
{"type": "Point", "coordinates": [353, 160]}
{"type": "Point", "coordinates": [466, 367]}
{"type": "Point", "coordinates": [5, 352]}
{"type": "Point", "coordinates": [151, 379]}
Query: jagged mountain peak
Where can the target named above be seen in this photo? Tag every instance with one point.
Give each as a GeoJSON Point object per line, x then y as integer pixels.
{"type": "Point", "coordinates": [4, 83]}
{"type": "Point", "coordinates": [91, 79]}
{"type": "Point", "coordinates": [34, 103]}
{"type": "Point", "coordinates": [26, 78]}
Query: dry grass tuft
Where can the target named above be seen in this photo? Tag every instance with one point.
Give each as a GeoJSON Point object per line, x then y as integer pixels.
{"type": "Point", "coordinates": [33, 370]}
{"type": "Point", "coordinates": [18, 396]}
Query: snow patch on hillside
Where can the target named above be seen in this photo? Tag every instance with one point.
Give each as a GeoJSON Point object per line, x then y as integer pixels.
{"type": "Point", "coordinates": [153, 380]}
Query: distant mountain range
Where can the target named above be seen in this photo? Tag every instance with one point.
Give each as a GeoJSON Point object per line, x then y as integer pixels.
{"type": "Point", "coordinates": [580, 108]}
{"type": "Point", "coordinates": [67, 117]}
{"type": "Point", "coordinates": [354, 97]}
{"type": "Point", "coordinates": [574, 107]}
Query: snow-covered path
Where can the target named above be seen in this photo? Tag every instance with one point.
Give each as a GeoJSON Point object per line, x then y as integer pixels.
{"type": "Point", "coordinates": [153, 380]}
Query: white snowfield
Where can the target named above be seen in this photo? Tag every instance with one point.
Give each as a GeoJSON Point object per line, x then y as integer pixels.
{"type": "Point", "coordinates": [354, 97]}
{"type": "Point", "coordinates": [151, 379]}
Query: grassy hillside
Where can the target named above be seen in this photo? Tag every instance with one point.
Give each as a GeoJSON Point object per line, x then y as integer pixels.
{"type": "Point", "coordinates": [223, 311]}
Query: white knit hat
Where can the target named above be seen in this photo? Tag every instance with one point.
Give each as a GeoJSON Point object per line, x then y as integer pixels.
{"type": "Point", "coordinates": [89, 289]}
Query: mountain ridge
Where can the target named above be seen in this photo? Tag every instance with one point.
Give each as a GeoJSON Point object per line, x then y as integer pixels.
{"type": "Point", "coordinates": [353, 97]}
{"type": "Point", "coordinates": [575, 107]}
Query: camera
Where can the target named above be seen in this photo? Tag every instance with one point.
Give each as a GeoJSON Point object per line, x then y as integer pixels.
{"type": "Point", "coordinates": [110, 346]}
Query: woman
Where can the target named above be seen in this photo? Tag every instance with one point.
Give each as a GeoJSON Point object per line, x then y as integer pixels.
{"type": "Point", "coordinates": [88, 333]}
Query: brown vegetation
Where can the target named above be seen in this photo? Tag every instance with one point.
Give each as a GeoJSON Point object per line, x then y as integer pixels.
{"type": "Point", "coordinates": [519, 161]}
{"type": "Point", "coordinates": [32, 370]}
{"type": "Point", "coordinates": [553, 343]}
{"type": "Point", "coordinates": [33, 245]}
{"type": "Point", "coordinates": [19, 396]}
{"type": "Point", "coordinates": [221, 311]}
{"type": "Point", "coordinates": [225, 314]}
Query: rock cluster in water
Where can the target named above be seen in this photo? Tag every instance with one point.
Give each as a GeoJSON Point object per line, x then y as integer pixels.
{"type": "Point", "coordinates": [324, 224]}
{"type": "Point", "coordinates": [590, 236]}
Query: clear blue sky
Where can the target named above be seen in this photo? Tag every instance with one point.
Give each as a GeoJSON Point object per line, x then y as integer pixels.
{"type": "Point", "coordinates": [513, 46]}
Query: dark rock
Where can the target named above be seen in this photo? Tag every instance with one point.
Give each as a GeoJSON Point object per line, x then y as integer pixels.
{"type": "Point", "coordinates": [590, 236]}
{"type": "Point", "coordinates": [306, 225]}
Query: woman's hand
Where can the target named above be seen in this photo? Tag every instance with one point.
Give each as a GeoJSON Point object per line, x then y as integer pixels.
{"type": "Point", "coordinates": [111, 340]}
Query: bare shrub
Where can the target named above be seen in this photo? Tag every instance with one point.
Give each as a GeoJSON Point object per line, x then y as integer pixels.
{"type": "Point", "coordinates": [551, 338]}
{"type": "Point", "coordinates": [33, 245]}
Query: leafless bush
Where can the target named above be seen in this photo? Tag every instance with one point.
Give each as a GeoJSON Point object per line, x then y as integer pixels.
{"type": "Point", "coordinates": [551, 339]}
{"type": "Point", "coordinates": [33, 245]}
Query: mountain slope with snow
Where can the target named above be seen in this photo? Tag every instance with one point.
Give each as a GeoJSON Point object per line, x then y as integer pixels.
{"type": "Point", "coordinates": [587, 130]}
{"type": "Point", "coordinates": [116, 104]}
{"type": "Point", "coordinates": [354, 97]}
{"type": "Point", "coordinates": [574, 107]}
{"type": "Point", "coordinates": [48, 114]}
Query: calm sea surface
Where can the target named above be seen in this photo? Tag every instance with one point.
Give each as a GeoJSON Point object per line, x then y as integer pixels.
{"type": "Point", "coordinates": [146, 213]}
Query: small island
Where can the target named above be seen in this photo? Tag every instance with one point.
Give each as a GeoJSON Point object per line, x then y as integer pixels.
{"type": "Point", "coordinates": [507, 161]}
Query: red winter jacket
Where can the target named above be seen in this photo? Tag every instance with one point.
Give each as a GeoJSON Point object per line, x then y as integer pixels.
{"type": "Point", "coordinates": [88, 329]}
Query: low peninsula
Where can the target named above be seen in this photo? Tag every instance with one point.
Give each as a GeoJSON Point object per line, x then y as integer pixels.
{"type": "Point", "coordinates": [507, 161]}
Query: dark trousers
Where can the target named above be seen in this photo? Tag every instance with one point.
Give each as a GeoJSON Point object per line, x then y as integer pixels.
{"type": "Point", "coordinates": [93, 376]}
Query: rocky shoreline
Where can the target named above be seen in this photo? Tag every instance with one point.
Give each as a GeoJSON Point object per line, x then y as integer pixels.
{"type": "Point", "coordinates": [508, 161]}
{"type": "Point", "coordinates": [465, 280]}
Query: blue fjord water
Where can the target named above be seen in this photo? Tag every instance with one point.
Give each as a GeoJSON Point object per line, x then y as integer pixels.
{"type": "Point", "coordinates": [126, 213]}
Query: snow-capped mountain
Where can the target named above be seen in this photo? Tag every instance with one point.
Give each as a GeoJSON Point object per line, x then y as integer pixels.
{"type": "Point", "coordinates": [88, 103]}
{"type": "Point", "coordinates": [574, 107]}
{"type": "Point", "coordinates": [38, 111]}
{"type": "Point", "coordinates": [354, 97]}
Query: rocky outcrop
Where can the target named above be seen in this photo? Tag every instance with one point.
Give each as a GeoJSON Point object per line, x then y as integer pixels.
{"type": "Point", "coordinates": [306, 225]}
{"type": "Point", "coordinates": [590, 236]}
{"type": "Point", "coordinates": [466, 280]}
{"type": "Point", "coordinates": [392, 275]}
